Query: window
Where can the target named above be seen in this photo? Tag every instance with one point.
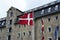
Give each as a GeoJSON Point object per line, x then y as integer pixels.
{"type": "Point", "coordinates": [0, 23]}
{"type": "Point", "coordinates": [9, 37]}
{"type": "Point", "coordinates": [3, 23]}
{"type": "Point", "coordinates": [24, 25]}
{"type": "Point", "coordinates": [11, 13]}
{"type": "Point", "coordinates": [56, 17]}
{"type": "Point", "coordinates": [48, 19]}
{"type": "Point", "coordinates": [56, 7]}
{"type": "Point", "coordinates": [10, 22]}
{"type": "Point", "coordinates": [57, 27]}
{"type": "Point", "coordinates": [49, 38]}
{"type": "Point", "coordinates": [18, 34]}
{"type": "Point", "coordinates": [10, 29]}
{"type": "Point", "coordinates": [19, 26]}
{"type": "Point", "coordinates": [29, 33]}
{"type": "Point", "coordinates": [42, 11]}
{"type": "Point", "coordinates": [24, 33]}
{"type": "Point", "coordinates": [49, 29]}
{"type": "Point", "coordinates": [49, 9]}
{"type": "Point", "coordinates": [58, 38]}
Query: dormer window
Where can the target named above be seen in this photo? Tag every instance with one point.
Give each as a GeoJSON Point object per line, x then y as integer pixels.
{"type": "Point", "coordinates": [42, 11]}
{"type": "Point", "coordinates": [3, 23]}
{"type": "Point", "coordinates": [0, 23]}
{"type": "Point", "coordinates": [49, 9]}
{"type": "Point", "coordinates": [56, 7]}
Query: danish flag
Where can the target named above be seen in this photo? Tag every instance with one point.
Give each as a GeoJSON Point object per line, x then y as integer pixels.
{"type": "Point", "coordinates": [26, 19]}
{"type": "Point", "coordinates": [42, 29]}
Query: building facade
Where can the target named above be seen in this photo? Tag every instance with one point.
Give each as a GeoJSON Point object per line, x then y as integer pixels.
{"type": "Point", "coordinates": [50, 13]}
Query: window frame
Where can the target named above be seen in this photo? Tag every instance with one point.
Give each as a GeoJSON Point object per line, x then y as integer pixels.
{"type": "Point", "coordinates": [10, 14]}
{"type": "Point", "coordinates": [56, 17]}
{"type": "Point", "coordinates": [29, 33]}
{"type": "Point", "coordinates": [9, 37]}
{"type": "Point", "coordinates": [49, 37]}
{"type": "Point", "coordinates": [56, 7]}
{"type": "Point", "coordinates": [9, 29]}
{"type": "Point", "coordinates": [42, 11]}
{"type": "Point", "coordinates": [49, 9]}
{"type": "Point", "coordinates": [49, 19]}
{"type": "Point", "coordinates": [24, 33]}
{"type": "Point", "coordinates": [48, 29]}
{"type": "Point", "coordinates": [10, 22]}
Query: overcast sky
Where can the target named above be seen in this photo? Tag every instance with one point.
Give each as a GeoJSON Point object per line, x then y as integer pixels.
{"type": "Point", "coordinates": [22, 5]}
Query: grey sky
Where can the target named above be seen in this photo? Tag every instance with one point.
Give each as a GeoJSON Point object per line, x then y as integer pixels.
{"type": "Point", "coordinates": [22, 5]}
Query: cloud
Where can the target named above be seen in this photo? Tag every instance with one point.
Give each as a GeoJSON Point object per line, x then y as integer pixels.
{"type": "Point", "coordinates": [23, 5]}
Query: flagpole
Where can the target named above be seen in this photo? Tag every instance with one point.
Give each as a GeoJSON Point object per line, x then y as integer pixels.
{"type": "Point", "coordinates": [33, 34]}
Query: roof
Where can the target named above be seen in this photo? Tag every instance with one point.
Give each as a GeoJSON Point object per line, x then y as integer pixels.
{"type": "Point", "coordinates": [43, 6]}
{"type": "Point", "coordinates": [14, 8]}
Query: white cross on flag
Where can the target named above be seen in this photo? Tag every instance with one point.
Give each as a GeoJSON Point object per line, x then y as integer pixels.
{"type": "Point", "coordinates": [26, 19]}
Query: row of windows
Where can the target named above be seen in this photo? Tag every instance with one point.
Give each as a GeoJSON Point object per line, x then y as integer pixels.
{"type": "Point", "coordinates": [55, 18]}
{"type": "Point", "coordinates": [2, 23]}
{"type": "Point", "coordinates": [10, 30]}
{"type": "Point", "coordinates": [49, 28]}
{"type": "Point", "coordinates": [9, 37]}
{"type": "Point", "coordinates": [49, 9]}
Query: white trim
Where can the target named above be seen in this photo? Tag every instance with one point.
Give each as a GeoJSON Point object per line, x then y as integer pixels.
{"type": "Point", "coordinates": [49, 9]}
{"type": "Point", "coordinates": [7, 37]}
{"type": "Point", "coordinates": [3, 23]}
{"type": "Point", "coordinates": [56, 7]}
{"type": "Point", "coordinates": [42, 12]}
{"type": "Point", "coordinates": [7, 29]}
{"type": "Point", "coordinates": [49, 37]}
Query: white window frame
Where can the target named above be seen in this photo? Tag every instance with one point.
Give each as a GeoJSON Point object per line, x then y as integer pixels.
{"type": "Point", "coordinates": [0, 22]}
{"type": "Point", "coordinates": [3, 23]}
{"type": "Point", "coordinates": [56, 7]}
{"type": "Point", "coordinates": [7, 37]}
{"type": "Point", "coordinates": [9, 13]}
{"type": "Point", "coordinates": [48, 29]}
{"type": "Point", "coordinates": [42, 12]}
{"type": "Point", "coordinates": [49, 9]}
{"type": "Point", "coordinates": [7, 29]}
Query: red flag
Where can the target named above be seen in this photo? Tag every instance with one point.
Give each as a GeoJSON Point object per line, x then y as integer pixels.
{"type": "Point", "coordinates": [26, 19]}
{"type": "Point", "coordinates": [42, 29]}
